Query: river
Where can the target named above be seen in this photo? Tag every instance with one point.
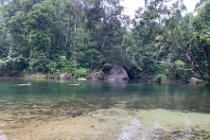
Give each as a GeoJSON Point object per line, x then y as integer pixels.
{"type": "Point", "coordinates": [103, 111]}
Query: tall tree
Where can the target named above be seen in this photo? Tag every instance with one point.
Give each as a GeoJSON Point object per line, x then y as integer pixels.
{"type": "Point", "coordinates": [104, 25]}
{"type": "Point", "coordinates": [200, 46]}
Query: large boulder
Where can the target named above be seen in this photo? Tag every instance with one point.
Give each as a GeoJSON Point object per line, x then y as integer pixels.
{"type": "Point", "coordinates": [117, 74]}
{"type": "Point", "coordinates": [96, 75]}
{"type": "Point", "coordinates": [196, 81]}
{"type": "Point", "coordinates": [106, 68]}
{"type": "Point", "coordinates": [111, 73]}
{"type": "Point", "coordinates": [64, 76]}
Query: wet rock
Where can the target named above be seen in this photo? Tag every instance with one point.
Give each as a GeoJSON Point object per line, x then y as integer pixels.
{"type": "Point", "coordinates": [64, 76]}
{"type": "Point", "coordinates": [111, 73]}
{"type": "Point", "coordinates": [196, 81]}
{"type": "Point", "coordinates": [96, 75]}
{"type": "Point", "coordinates": [118, 74]}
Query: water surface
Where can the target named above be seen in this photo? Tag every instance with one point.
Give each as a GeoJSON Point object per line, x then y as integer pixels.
{"type": "Point", "coordinates": [135, 109]}
{"type": "Point", "coordinates": [133, 95]}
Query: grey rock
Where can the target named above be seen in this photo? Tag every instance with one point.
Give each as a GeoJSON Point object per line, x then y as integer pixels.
{"type": "Point", "coordinates": [196, 81]}
{"type": "Point", "coordinates": [96, 75]}
{"type": "Point", "coordinates": [64, 76]}
{"type": "Point", "coordinates": [118, 74]}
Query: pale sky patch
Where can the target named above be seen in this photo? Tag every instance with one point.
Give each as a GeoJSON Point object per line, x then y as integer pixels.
{"type": "Point", "coordinates": [132, 5]}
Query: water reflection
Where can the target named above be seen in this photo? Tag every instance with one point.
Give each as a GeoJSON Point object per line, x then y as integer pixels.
{"type": "Point", "coordinates": [133, 95]}
{"type": "Point", "coordinates": [124, 111]}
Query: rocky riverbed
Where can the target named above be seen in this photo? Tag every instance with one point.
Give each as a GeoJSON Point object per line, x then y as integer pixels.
{"type": "Point", "coordinates": [108, 123]}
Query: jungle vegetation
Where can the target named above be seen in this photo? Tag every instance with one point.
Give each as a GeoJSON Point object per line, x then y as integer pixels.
{"type": "Point", "coordinates": [79, 36]}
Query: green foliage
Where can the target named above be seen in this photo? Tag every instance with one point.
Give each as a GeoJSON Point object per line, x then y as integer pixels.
{"type": "Point", "coordinates": [200, 45]}
{"type": "Point", "coordinates": [52, 67]}
{"type": "Point", "coordinates": [81, 72]}
{"type": "Point", "coordinates": [38, 61]}
{"type": "Point", "coordinates": [162, 68]}
{"type": "Point", "coordinates": [180, 63]}
{"type": "Point", "coordinates": [54, 36]}
{"type": "Point", "coordinates": [44, 32]}
{"type": "Point", "coordinates": [140, 44]}
{"type": "Point", "coordinates": [69, 67]}
{"type": "Point", "coordinates": [12, 65]}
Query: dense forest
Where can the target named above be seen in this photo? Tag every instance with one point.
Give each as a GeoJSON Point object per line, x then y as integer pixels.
{"type": "Point", "coordinates": [79, 36]}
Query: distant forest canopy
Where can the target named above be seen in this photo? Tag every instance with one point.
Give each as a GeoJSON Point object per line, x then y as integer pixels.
{"type": "Point", "coordinates": [79, 36]}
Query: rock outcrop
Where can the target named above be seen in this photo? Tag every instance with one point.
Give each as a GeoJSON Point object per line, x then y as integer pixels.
{"type": "Point", "coordinates": [96, 75]}
{"type": "Point", "coordinates": [111, 73]}
{"type": "Point", "coordinates": [117, 74]}
{"type": "Point", "coordinates": [195, 81]}
{"type": "Point", "coordinates": [64, 76]}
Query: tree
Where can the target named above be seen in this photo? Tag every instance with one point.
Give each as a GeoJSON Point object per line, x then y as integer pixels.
{"type": "Point", "coordinates": [200, 46]}
{"type": "Point", "coordinates": [105, 28]}
{"type": "Point", "coordinates": [141, 48]}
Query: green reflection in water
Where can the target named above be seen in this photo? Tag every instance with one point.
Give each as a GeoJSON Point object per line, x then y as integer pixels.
{"type": "Point", "coordinates": [104, 95]}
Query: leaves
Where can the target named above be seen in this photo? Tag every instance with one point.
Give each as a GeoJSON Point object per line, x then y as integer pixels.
{"type": "Point", "coordinates": [52, 36]}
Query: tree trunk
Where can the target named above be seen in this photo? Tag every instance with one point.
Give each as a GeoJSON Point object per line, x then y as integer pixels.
{"type": "Point", "coordinates": [67, 33]}
{"type": "Point", "coordinates": [74, 42]}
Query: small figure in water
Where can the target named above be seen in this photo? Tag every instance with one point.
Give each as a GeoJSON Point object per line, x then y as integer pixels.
{"type": "Point", "coordinates": [76, 84]}
{"type": "Point", "coordinates": [27, 84]}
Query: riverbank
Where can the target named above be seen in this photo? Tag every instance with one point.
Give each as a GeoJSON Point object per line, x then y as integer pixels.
{"type": "Point", "coordinates": [37, 76]}
{"type": "Point", "coordinates": [41, 77]}
{"type": "Point", "coordinates": [106, 124]}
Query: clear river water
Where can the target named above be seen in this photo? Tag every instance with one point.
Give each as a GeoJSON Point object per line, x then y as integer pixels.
{"type": "Point", "coordinates": [103, 111]}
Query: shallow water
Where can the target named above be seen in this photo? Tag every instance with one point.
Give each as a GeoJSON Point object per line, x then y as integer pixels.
{"type": "Point", "coordinates": [130, 96]}
{"type": "Point", "coordinates": [135, 110]}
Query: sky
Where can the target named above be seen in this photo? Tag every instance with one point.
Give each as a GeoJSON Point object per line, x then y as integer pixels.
{"type": "Point", "coordinates": [132, 5]}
